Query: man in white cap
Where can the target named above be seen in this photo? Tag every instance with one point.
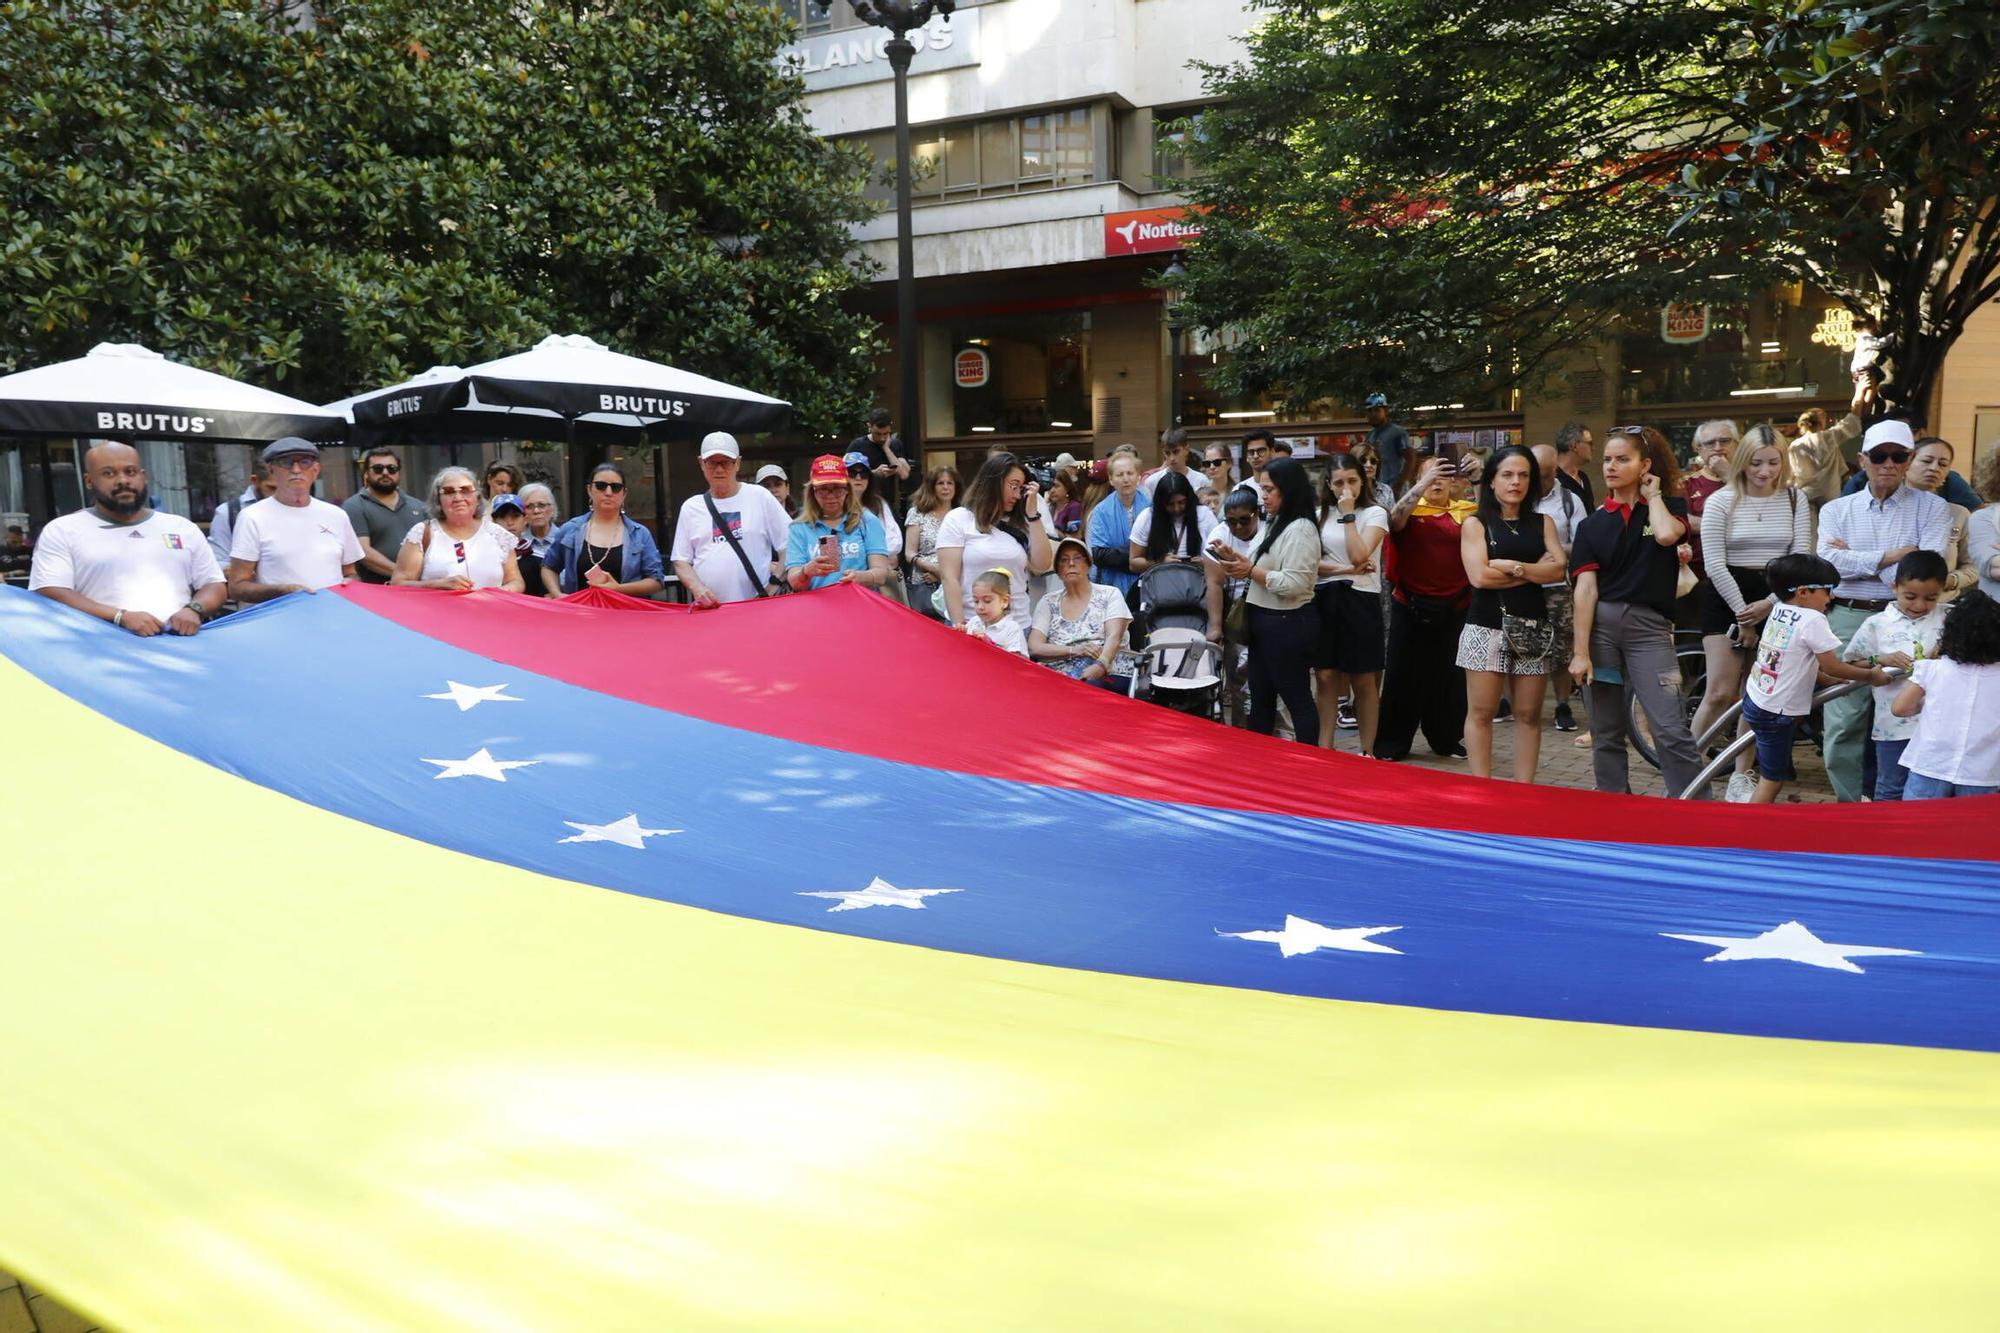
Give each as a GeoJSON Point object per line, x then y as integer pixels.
{"type": "Point", "coordinates": [729, 539]}
{"type": "Point", "coordinates": [1864, 535]}
{"type": "Point", "coordinates": [120, 560]}
{"type": "Point", "coordinates": [291, 542]}
{"type": "Point", "coordinates": [773, 478]}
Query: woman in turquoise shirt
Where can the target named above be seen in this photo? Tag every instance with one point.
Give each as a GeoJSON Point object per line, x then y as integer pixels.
{"type": "Point", "coordinates": [834, 540]}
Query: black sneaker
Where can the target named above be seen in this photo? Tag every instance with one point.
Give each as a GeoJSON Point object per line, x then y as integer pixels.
{"type": "Point", "coordinates": [1344, 715]}
{"type": "Point", "coordinates": [1505, 712]}
{"type": "Point", "coordinates": [1565, 720]}
{"type": "Point", "coordinates": [1455, 752]}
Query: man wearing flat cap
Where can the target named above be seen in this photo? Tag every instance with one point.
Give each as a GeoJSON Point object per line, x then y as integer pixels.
{"type": "Point", "coordinates": [291, 542]}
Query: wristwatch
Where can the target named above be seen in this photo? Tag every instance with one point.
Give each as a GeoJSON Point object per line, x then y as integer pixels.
{"type": "Point", "coordinates": [199, 614]}
{"type": "Point", "coordinates": [1347, 518]}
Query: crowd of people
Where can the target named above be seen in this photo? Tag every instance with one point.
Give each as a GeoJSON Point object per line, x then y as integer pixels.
{"type": "Point", "coordinates": [1390, 591]}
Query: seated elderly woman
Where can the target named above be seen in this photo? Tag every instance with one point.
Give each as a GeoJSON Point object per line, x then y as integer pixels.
{"type": "Point", "coordinates": [1079, 628]}
{"type": "Point", "coordinates": [458, 548]}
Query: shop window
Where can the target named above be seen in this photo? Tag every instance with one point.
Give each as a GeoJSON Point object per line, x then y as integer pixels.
{"type": "Point", "coordinates": [1010, 375]}
{"type": "Point", "coordinates": [1790, 343]}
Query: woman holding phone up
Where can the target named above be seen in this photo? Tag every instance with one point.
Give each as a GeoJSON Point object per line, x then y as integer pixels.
{"type": "Point", "coordinates": [834, 540]}
{"type": "Point", "coordinates": [1626, 567]}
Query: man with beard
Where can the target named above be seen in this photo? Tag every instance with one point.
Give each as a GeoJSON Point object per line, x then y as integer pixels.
{"type": "Point", "coordinates": [383, 513]}
{"type": "Point", "coordinates": [291, 542]}
{"type": "Point", "coordinates": [124, 562]}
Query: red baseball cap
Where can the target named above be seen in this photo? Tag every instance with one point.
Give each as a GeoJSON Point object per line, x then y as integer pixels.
{"type": "Point", "coordinates": [827, 468]}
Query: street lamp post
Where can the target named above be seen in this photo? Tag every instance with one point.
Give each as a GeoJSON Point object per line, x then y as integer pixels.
{"type": "Point", "coordinates": [899, 17]}
{"type": "Point", "coordinates": [1171, 284]}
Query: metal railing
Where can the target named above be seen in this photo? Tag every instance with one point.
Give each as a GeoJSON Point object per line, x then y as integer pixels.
{"type": "Point", "coordinates": [1727, 759]}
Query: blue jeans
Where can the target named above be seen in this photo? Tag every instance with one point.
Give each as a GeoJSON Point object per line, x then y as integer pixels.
{"type": "Point", "coordinates": [1774, 742]}
{"type": "Point", "coordinates": [1890, 774]}
{"type": "Point", "coordinates": [1923, 787]}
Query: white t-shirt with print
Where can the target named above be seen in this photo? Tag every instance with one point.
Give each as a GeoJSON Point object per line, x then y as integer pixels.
{"type": "Point", "coordinates": [1958, 733]}
{"type": "Point", "coordinates": [155, 566]}
{"type": "Point", "coordinates": [480, 557]}
{"type": "Point", "coordinates": [1333, 546]}
{"type": "Point", "coordinates": [1890, 631]}
{"type": "Point", "coordinates": [1787, 665]}
{"type": "Point", "coordinates": [761, 526]}
{"type": "Point", "coordinates": [1205, 525]}
{"type": "Point", "coordinates": [1243, 546]}
{"type": "Point", "coordinates": [981, 551]}
{"type": "Point", "coordinates": [303, 544]}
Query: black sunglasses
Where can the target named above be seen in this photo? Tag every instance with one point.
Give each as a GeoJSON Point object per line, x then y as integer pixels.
{"type": "Point", "coordinates": [613, 486]}
{"type": "Point", "coordinates": [1888, 456]}
{"type": "Point", "coordinates": [385, 467]}
{"type": "Point", "coordinates": [1214, 462]}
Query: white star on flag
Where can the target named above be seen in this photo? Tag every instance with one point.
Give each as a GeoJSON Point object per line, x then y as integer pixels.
{"type": "Point", "coordinates": [480, 765]}
{"type": "Point", "coordinates": [1303, 936]}
{"type": "Point", "coordinates": [625, 832]}
{"type": "Point", "coordinates": [1791, 943]}
{"type": "Point", "coordinates": [879, 893]}
{"type": "Point", "coordinates": [468, 697]}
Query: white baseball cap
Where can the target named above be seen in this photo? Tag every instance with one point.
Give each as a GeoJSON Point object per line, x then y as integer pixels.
{"type": "Point", "coordinates": [771, 472]}
{"type": "Point", "coordinates": [720, 444]}
{"type": "Point", "coordinates": [1888, 431]}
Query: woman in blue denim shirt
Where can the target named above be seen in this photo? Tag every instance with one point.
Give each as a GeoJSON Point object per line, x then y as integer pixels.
{"type": "Point", "coordinates": [602, 548]}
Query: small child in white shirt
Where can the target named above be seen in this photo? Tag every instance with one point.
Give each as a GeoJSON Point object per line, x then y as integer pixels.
{"type": "Point", "coordinates": [1898, 638]}
{"type": "Point", "coordinates": [992, 596]}
{"type": "Point", "coordinates": [1955, 698]}
{"type": "Point", "coordinates": [1795, 647]}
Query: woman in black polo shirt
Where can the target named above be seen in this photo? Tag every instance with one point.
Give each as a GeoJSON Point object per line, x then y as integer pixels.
{"type": "Point", "coordinates": [1625, 568]}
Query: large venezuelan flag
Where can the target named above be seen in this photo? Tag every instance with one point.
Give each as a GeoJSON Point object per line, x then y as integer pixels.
{"type": "Point", "coordinates": [402, 959]}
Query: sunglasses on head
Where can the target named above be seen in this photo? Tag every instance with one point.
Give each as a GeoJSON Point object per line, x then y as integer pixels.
{"type": "Point", "coordinates": [1889, 456]}
{"type": "Point", "coordinates": [612, 486]}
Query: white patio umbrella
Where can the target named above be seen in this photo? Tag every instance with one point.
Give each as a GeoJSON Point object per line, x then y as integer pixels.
{"type": "Point", "coordinates": [125, 391]}
{"type": "Point", "coordinates": [567, 387]}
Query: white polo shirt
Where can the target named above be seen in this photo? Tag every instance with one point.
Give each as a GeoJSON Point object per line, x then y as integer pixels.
{"type": "Point", "coordinates": [155, 566]}
{"type": "Point", "coordinates": [304, 544]}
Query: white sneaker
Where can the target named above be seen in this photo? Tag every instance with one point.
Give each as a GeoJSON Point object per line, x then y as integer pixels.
{"type": "Point", "coordinates": [1742, 786]}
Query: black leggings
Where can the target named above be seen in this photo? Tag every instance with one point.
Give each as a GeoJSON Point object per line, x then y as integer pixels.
{"type": "Point", "coordinates": [1281, 648]}
{"type": "Point", "coordinates": [1423, 685]}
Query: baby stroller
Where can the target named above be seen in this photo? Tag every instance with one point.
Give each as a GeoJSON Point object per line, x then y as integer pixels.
{"type": "Point", "coordinates": [1178, 668]}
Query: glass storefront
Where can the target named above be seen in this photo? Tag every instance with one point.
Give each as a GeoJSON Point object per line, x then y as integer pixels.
{"type": "Point", "coordinates": [1008, 374]}
{"type": "Point", "coordinates": [1789, 343]}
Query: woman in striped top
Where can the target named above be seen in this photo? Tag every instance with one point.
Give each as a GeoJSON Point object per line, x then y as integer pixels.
{"type": "Point", "coordinates": [1750, 522]}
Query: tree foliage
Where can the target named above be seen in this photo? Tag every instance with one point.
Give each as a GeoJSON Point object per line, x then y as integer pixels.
{"type": "Point", "coordinates": [1446, 196]}
{"type": "Point", "coordinates": [332, 203]}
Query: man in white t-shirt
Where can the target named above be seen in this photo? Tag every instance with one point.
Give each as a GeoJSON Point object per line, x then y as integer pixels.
{"type": "Point", "coordinates": [121, 561]}
{"type": "Point", "coordinates": [291, 542]}
{"type": "Point", "coordinates": [1567, 508]}
{"type": "Point", "coordinates": [708, 565]}
{"type": "Point", "coordinates": [1173, 458]}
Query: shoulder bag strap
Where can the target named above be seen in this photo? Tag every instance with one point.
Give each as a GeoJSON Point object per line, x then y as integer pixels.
{"type": "Point", "coordinates": [729, 535]}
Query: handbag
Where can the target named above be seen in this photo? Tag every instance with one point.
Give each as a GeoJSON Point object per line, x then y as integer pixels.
{"type": "Point", "coordinates": [1528, 639]}
{"type": "Point", "coordinates": [729, 535]}
{"type": "Point", "coordinates": [1236, 621]}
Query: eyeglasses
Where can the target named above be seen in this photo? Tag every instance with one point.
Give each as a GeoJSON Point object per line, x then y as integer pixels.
{"type": "Point", "coordinates": [612, 486]}
{"type": "Point", "coordinates": [1889, 456]}
{"type": "Point", "coordinates": [536, 506]}
{"type": "Point", "coordinates": [296, 463]}
{"type": "Point", "coordinates": [1235, 520]}
{"type": "Point", "coordinates": [384, 467]}
{"type": "Point", "coordinates": [458, 490]}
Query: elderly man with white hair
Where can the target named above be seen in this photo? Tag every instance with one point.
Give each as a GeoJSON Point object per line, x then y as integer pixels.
{"type": "Point", "coordinates": [1864, 535]}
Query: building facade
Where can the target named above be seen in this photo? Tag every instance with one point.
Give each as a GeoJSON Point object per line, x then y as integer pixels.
{"type": "Point", "coordinates": [1047, 200]}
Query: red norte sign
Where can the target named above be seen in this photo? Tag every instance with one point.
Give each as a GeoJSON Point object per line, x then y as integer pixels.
{"type": "Point", "coordinates": [1149, 231]}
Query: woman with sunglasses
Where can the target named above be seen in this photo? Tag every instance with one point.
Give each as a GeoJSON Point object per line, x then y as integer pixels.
{"type": "Point", "coordinates": [1626, 567]}
{"type": "Point", "coordinates": [1283, 625]}
{"type": "Point", "coordinates": [458, 548]}
{"type": "Point", "coordinates": [604, 548]}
